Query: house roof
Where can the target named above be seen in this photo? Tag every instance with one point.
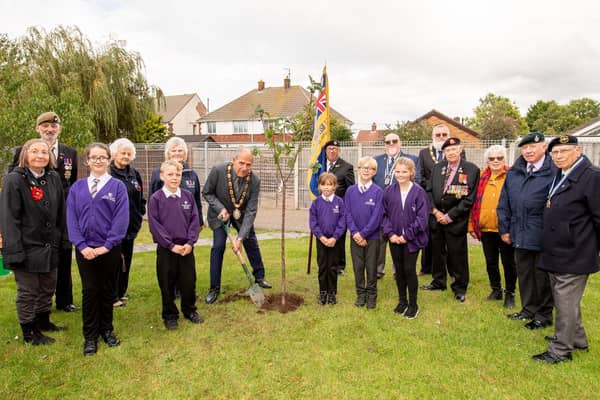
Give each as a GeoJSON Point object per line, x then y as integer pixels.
{"type": "Point", "coordinates": [247, 138]}
{"type": "Point", "coordinates": [451, 121]}
{"type": "Point", "coordinates": [366, 136]}
{"type": "Point", "coordinates": [174, 104]}
{"type": "Point", "coordinates": [277, 102]}
{"type": "Point", "coordinates": [590, 128]}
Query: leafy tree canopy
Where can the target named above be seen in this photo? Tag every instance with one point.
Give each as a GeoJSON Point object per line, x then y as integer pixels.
{"type": "Point", "coordinates": [497, 117]}
{"type": "Point", "coordinates": [553, 118]}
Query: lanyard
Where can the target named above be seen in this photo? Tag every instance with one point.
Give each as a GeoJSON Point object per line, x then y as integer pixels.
{"type": "Point", "coordinates": [555, 185]}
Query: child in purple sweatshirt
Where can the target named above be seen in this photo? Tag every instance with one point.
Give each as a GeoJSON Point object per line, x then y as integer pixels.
{"type": "Point", "coordinates": [328, 224]}
{"type": "Point", "coordinates": [175, 226]}
{"type": "Point", "coordinates": [405, 223]}
{"type": "Point", "coordinates": [364, 213]}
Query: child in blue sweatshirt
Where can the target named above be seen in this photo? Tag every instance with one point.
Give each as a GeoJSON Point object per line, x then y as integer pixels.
{"type": "Point", "coordinates": [328, 224]}
{"type": "Point", "coordinates": [364, 213]}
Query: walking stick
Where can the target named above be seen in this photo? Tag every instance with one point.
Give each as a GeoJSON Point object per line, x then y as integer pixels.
{"type": "Point", "coordinates": [309, 254]}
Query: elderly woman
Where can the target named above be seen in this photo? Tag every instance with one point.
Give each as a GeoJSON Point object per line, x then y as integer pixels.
{"type": "Point", "coordinates": [176, 149]}
{"type": "Point", "coordinates": [483, 225]}
{"type": "Point", "coordinates": [33, 226]}
{"type": "Point", "coordinates": [123, 153]}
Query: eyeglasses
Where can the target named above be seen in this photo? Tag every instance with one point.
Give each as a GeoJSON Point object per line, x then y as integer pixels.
{"type": "Point", "coordinates": [555, 153]}
{"type": "Point", "coordinates": [499, 158]}
{"type": "Point", "coordinates": [367, 168]}
{"type": "Point", "coordinates": [98, 159]}
{"type": "Point", "coordinates": [444, 134]}
{"type": "Point", "coordinates": [393, 141]}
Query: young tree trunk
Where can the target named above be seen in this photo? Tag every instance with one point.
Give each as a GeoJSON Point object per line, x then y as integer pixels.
{"type": "Point", "coordinates": [283, 281]}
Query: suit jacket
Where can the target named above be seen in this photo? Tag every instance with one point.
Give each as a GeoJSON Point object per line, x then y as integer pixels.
{"type": "Point", "coordinates": [382, 161]}
{"type": "Point", "coordinates": [426, 163]}
{"type": "Point", "coordinates": [216, 194]}
{"type": "Point", "coordinates": [66, 165]}
{"type": "Point", "coordinates": [344, 172]}
{"type": "Point", "coordinates": [459, 198]}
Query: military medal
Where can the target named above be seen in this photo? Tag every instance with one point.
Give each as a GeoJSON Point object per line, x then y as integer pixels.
{"type": "Point", "coordinates": [237, 214]}
{"type": "Point", "coordinates": [548, 203]}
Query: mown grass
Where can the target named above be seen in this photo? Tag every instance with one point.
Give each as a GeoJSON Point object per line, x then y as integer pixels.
{"type": "Point", "coordinates": [451, 350]}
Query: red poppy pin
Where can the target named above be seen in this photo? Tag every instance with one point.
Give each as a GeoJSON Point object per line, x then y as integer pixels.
{"type": "Point", "coordinates": [37, 193]}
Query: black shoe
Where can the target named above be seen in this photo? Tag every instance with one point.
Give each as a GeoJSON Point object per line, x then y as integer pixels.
{"type": "Point", "coordinates": [537, 324]}
{"type": "Point", "coordinates": [520, 316]}
{"type": "Point", "coordinates": [341, 272]}
{"type": "Point", "coordinates": [171, 324]}
{"type": "Point", "coordinates": [496, 294]}
{"type": "Point", "coordinates": [323, 298]}
{"type": "Point", "coordinates": [380, 275]}
{"type": "Point", "coordinates": [264, 284]}
{"type": "Point", "coordinates": [371, 302]}
{"type": "Point", "coordinates": [552, 358]}
{"type": "Point", "coordinates": [44, 324]}
{"type": "Point", "coordinates": [90, 347]}
{"type": "Point", "coordinates": [195, 318]}
{"type": "Point", "coordinates": [110, 339]}
{"type": "Point", "coordinates": [460, 297]}
{"type": "Point", "coordinates": [32, 335]}
{"type": "Point", "coordinates": [509, 300]}
{"type": "Point", "coordinates": [411, 312]}
{"type": "Point", "coordinates": [401, 308]}
{"type": "Point", "coordinates": [331, 298]}
{"type": "Point", "coordinates": [69, 308]}
{"type": "Point", "coordinates": [432, 287]}
{"type": "Point", "coordinates": [361, 300]}
{"type": "Point", "coordinates": [212, 295]}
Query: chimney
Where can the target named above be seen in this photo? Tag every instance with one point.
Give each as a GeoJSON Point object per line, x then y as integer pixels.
{"type": "Point", "coordinates": [286, 83]}
{"type": "Point", "coordinates": [457, 119]}
{"type": "Point", "coordinates": [261, 85]}
{"type": "Point", "coordinates": [373, 127]}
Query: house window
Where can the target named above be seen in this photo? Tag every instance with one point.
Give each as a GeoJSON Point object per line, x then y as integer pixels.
{"type": "Point", "coordinates": [240, 126]}
{"type": "Point", "coordinates": [212, 127]}
{"type": "Point", "coordinates": [194, 129]}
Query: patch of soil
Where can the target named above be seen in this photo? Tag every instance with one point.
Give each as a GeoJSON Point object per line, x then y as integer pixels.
{"type": "Point", "coordinates": [273, 303]}
{"type": "Point", "coordinates": [236, 296]}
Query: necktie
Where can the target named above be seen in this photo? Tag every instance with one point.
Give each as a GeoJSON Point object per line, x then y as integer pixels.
{"type": "Point", "coordinates": [440, 155]}
{"type": "Point", "coordinates": [530, 169]}
{"type": "Point", "coordinates": [363, 188]}
{"type": "Point", "coordinates": [94, 189]}
{"type": "Point", "coordinates": [330, 169]}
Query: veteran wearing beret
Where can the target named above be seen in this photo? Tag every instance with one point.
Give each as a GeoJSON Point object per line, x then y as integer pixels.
{"type": "Point", "coordinates": [48, 126]}
{"type": "Point", "coordinates": [570, 243]}
{"type": "Point", "coordinates": [344, 172]}
{"type": "Point", "coordinates": [520, 224]}
{"type": "Point", "coordinates": [452, 189]}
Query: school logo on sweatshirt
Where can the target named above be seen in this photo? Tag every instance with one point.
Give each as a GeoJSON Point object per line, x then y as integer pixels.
{"type": "Point", "coordinates": [186, 205]}
{"type": "Point", "coordinates": [190, 183]}
{"type": "Point", "coordinates": [110, 197]}
{"type": "Point", "coordinates": [369, 202]}
{"type": "Point", "coordinates": [336, 209]}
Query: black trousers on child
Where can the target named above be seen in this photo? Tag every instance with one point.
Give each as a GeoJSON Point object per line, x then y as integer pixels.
{"type": "Point", "coordinates": [98, 278]}
{"type": "Point", "coordinates": [328, 260]}
{"type": "Point", "coordinates": [176, 270]}
{"type": "Point", "coordinates": [405, 263]}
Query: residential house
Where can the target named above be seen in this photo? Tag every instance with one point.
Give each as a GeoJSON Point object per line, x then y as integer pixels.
{"type": "Point", "coordinates": [372, 135]}
{"type": "Point", "coordinates": [246, 118]}
{"type": "Point", "coordinates": [457, 129]}
{"type": "Point", "coordinates": [181, 113]}
{"type": "Point", "coordinates": [588, 129]}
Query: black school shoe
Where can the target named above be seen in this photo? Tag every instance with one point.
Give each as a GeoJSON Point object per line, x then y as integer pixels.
{"type": "Point", "coordinates": [110, 339]}
{"type": "Point", "coordinates": [195, 318]}
{"type": "Point", "coordinates": [171, 324]}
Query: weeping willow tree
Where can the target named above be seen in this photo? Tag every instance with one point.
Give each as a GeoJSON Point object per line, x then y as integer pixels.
{"type": "Point", "coordinates": [106, 85]}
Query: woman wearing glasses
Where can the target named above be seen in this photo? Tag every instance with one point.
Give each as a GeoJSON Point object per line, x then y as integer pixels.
{"type": "Point", "coordinates": [483, 225]}
{"type": "Point", "coordinates": [97, 221]}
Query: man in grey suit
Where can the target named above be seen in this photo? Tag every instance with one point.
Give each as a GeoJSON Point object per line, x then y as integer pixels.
{"type": "Point", "coordinates": [231, 191]}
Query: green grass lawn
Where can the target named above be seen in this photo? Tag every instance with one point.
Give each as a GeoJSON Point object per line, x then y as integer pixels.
{"type": "Point", "coordinates": [452, 350]}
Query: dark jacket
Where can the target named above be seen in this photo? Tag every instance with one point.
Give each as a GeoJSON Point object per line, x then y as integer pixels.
{"type": "Point", "coordinates": [344, 172]}
{"type": "Point", "coordinates": [426, 163]}
{"type": "Point", "coordinates": [33, 231]}
{"type": "Point", "coordinates": [135, 192]}
{"type": "Point", "coordinates": [382, 167]}
{"type": "Point", "coordinates": [571, 237]}
{"type": "Point", "coordinates": [66, 165]}
{"type": "Point", "coordinates": [457, 206]}
{"type": "Point", "coordinates": [522, 201]}
{"type": "Point", "coordinates": [216, 194]}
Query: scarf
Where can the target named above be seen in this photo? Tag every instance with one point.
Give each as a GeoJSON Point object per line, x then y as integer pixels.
{"type": "Point", "coordinates": [476, 209]}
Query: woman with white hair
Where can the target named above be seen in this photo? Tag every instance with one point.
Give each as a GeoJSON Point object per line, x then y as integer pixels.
{"type": "Point", "coordinates": [123, 154]}
{"type": "Point", "coordinates": [176, 149]}
{"type": "Point", "coordinates": [483, 225]}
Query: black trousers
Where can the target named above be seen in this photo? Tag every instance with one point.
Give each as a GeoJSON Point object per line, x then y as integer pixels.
{"type": "Point", "coordinates": [328, 260]}
{"type": "Point", "coordinates": [364, 261]}
{"type": "Point", "coordinates": [405, 264]}
{"type": "Point", "coordinates": [34, 293]}
{"type": "Point", "coordinates": [98, 278]}
{"type": "Point", "coordinates": [534, 286]}
{"type": "Point", "coordinates": [64, 280]}
{"type": "Point", "coordinates": [341, 252]}
{"type": "Point", "coordinates": [123, 272]}
{"type": "Point", "coordinates": [457, 259]}
{"type": "Point", "coordinates": [494, 247]}
{"type": "Point", "coordinates": [176, 270]}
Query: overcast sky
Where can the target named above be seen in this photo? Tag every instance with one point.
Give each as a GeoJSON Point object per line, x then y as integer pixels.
{"type": "Point", "coordinates": [387, 60]}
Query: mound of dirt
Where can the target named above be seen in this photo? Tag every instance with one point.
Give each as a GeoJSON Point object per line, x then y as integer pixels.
{"type": "Point", "coordinates": [273, 303]}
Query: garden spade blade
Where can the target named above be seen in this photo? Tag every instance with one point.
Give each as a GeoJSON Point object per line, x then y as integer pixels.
{"type": "Point", "coordinates": [254, 291]}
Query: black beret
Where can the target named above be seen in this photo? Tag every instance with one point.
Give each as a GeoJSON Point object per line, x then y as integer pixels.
{"type": "Point", "coordinates": [332, 143]}
{"type": "Point", "coordinates": [453, 141]}
{"type": "Point", "coordinates": [49, 116]}
{"type": "Point", "coordinates": [563, 139]}
{"type": "Point", "coordinates": [532, 137]}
